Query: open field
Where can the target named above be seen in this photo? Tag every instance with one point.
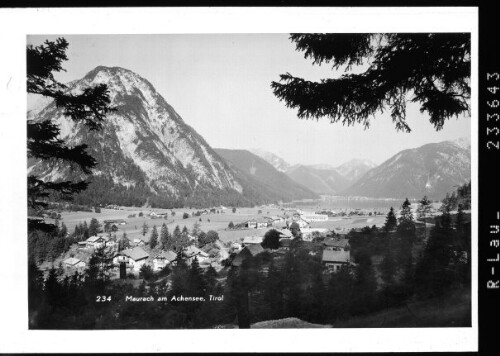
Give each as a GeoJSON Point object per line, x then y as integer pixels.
{"type": "Point", "coordinates": [210, 221]}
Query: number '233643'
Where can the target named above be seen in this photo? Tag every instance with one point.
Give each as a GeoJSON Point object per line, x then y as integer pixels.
{"type": "Point", "coordinates": [495, 103]}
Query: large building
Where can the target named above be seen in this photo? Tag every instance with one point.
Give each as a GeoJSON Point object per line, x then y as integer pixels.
{"type": "Point", "coordinates": [134, 258]}
{"type": "Point", "coordinates": [312, 217]}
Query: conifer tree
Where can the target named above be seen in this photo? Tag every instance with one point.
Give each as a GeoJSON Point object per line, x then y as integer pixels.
{"type": "Point", "coordinates": [423, 210]}
{"type": "Point", "coordinates": [211, 278]}
{"type": "Point", "coordinates": [63, 231]}
{"type": "Point", "coordinates": [406, 223]}
{"type": "Point", "coordinates": [165, 238]}
{"type": "Point", "coordinates": [196, 229]}
{"type": "Point", "coordinates": [89, 107]}
{"type": "Point", "coordinates": [197, 284]}
{"type": "Point", "coordinates": [85, 230]}
{"type": "Point", "coordinates": [145, 229]}
{"type": "Point", "coordinates": [390, 221]}
{"type": "Point", "coordinates": [153, 240]}
{"type": "Point", "coordinates": [124, 242]}
{"type": "Point", "coordinates": [407, 235]}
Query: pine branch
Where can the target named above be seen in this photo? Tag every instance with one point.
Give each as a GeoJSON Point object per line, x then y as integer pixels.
{"type": "Point", "coordinates": [43, 144]}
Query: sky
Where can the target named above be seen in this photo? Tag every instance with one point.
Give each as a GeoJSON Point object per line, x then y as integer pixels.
{"type": "Point", "coordinates": [220, 85]}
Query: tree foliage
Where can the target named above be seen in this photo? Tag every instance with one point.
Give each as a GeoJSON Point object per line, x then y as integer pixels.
{"type": "Point", "coordinates": [271, 239]}
{"type": "Point", "coordinates": [390, 221]}
{"type": "Point", "coordinates": [153, 240]}
{"type": "Point", "coordinates": [431, 69]}
{"type": "Point", "coordinates": [88, 107]}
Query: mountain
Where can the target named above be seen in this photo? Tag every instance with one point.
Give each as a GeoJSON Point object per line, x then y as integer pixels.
{"type": "Point", "coordinates": [433, 170]}
{"type": "Point", "coordinates": [355, 169]}
{"type": "Point", "coordinates": [277, 162]}
{"type": "Point", "coordinates": [320, 181]}
{"type": "Point", "coordinates": [463, 142]}
{"type": "Point", "coordinates": [255, 171]}
{"type": "Point", "coordinates": [146, 153]}
{"type": "Point", "coordinates": [319, 178]}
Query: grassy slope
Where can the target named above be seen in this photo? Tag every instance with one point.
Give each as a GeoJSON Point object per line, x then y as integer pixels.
{"type": "Point", "coordinates": [454, 311]}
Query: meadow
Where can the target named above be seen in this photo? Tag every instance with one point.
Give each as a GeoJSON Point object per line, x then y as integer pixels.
{"type": "Point", "coordinates": [211, 221]}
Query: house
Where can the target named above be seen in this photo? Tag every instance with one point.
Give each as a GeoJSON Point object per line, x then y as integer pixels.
{"type": "Point", "coordinates": [192, 251]}
{"type": "Point", "coordinates": [155, 215]}
{"type": "Point", "coordinates": [251, 224]}
{"type": "Point", "coordinates": [276, 219]}
{"type": "Point", "coordinates": [134, 258]}
{"type": "Point", "coordinates": [301, 222]}
{"type": "Point", "coordinates": [252, 240]}
{"type": "Point", "coordinates": [163, 259]}
{"type": "Point", "coordinates": [335, 244]}
{"type": "Point", "coordinates": [96, 242]}
{"type": "Point", "coordinates": [334, 260]}
{"type": "Point", "coordinates": [116, 221]}
{"type": "Point", "coordinates": [257, 224]}
{"type": "Point", "coordinates": [113, 225]}
{"type": "Point", "coordinates": [73, 263]}
{"type": "Point", "coordinates": [138, 242]}
{"type": "Point", "coordinates": [310, 217]}
{"type": "Point", "coordinates": [251, 250]}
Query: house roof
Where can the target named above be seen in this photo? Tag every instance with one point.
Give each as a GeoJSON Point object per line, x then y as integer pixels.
{"type": "Point", "coordinates": [94, 238]}
{"type": "Point", "coordinates": [191, 251]}
{"type": "Point", "coordinates": [168, 255]}
{"type": "Point", "coordinates": [249, 250]}
{"type": "Point", "coordinates": [111, 221]}
{"type": "Point", "coordinates": [336, 242]}
{"type": "Point", "coordinates": [286, 233]}
{"type": "Point", "coordinates": [71, 261]}
{"type": "Point", "coordinates": [135, 253]}
{"type": "Point", "coordinates": [255, 249]}
{"type": "Point", "coordinates": [253, 239]}
{"type": "Point", "coordinates": [335, 256]}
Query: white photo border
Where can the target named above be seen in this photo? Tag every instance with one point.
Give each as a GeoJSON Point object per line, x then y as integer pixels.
{"type": "Point", "coordinates": [16, 24]}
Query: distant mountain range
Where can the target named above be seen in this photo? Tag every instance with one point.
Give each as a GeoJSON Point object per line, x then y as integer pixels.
{"type": "Point", "coordinates": [433, 169]}
{"type": "Point", "coordinates": [321, 178]}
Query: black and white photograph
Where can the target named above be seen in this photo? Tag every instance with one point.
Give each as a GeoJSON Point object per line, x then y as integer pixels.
{"type": "Point", "coordinates": [250, 180]}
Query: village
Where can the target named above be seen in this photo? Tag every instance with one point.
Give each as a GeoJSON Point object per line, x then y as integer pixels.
{"type": "Point", "coordinates": [240, 232]}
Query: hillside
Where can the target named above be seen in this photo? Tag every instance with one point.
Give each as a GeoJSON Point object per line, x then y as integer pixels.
{"type": "Point", "coordinates": [355, 169]}
{"type": "Point", "coordinates": [277, 162]}
{"type": "Point", "coordinates": [263, 177]}
{"type": "Point", "coordinates": [320, 181]}
{"type": "Point", "coordinates": [432, 169]}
